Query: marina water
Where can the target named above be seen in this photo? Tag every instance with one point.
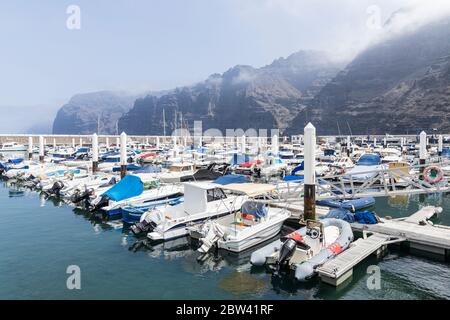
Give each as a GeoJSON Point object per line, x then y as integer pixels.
{"type": "Point", "coordinates": [41, 238]}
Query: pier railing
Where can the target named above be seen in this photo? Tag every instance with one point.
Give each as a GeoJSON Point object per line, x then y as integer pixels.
{"type": "Point", "coordinates": [381, 182]}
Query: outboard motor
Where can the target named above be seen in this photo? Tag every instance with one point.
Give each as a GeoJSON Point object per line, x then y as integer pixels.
{"type": "Point", "coordinates": [286, 252]}
{"type": "Point", "coordinates": [104, 201]}
{"type": "Point", "coordinates": [141, 227]}
{"type": "Point", "coordinates": [79, 196]}
{"type": "Point", "coordinates": [56, 188]}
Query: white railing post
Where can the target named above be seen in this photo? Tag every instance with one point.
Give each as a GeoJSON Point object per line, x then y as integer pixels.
{"type": "Point", "coordinates": [94, 152]}
{"type": "Point", "coordinates": [123, 154]}
{"type": "Point", "coordinates": [30, 148]}
{"type": "Point", "coordinates": [422, 152]}
{"type": "Point", "coordinates": [310, 173]}
{"type": "Point", "coordinates": [41, 149]}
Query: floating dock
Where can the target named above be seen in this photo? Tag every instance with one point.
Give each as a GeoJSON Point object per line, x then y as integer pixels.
{"type": "Point", "coordinates": [338, 270]}
{"type": "Point", "coordinates": [416, 230]}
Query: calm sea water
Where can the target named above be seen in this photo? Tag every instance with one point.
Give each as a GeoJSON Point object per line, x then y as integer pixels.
{"type": "Point", "coordinates": [41, 238]}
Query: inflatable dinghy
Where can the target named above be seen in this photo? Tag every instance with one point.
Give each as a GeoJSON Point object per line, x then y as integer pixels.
{"type": "Point", "coordinates": [304, 250]}
{"type": "Point", "coordinates": [353, 205]}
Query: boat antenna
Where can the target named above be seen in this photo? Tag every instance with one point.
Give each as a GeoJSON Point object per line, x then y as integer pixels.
{"type": "Point", "coordinates": [349, 129]}
{"type": "Point", "coordinates": [339, 129]}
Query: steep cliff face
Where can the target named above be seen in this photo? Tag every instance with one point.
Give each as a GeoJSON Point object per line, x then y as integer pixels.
{"type": "Point", "coordinates": [242, 97]}
{"type": "Point", "coordinates": [87, 113]}
{"type": "Point", "coordinates": [399, 85]}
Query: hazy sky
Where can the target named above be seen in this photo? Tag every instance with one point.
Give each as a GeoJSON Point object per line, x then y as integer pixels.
{"type": "Point", "coordinates": [159, 44]}
{"type": "Point", "coordinates": [140, 45]}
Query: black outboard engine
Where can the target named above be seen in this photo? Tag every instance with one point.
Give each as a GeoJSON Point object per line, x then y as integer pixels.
{"type": "Point", "coordinates": [141, 227]}
{"type": "Point", "coordinates": [79, 196]}
{"type": "Point", "coordinates": [104, 201]}
{"type": "Point", "coordinates": [56, 188]}
{"type": "Point", "coordinates": [286, 252]}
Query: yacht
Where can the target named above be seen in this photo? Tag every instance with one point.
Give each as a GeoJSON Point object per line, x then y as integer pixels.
{"type": "Point", "coordinates": [12, 146]}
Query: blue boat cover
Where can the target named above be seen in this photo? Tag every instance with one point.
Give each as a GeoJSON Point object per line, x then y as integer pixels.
{"type": "Point", "coordinates": [21, 168]}
{"type": "Point", "coordinates": [341, 214]}
{"type": "Point", "coordinates": [256, 209]}
{"type": "Point", "coordinates": [446, 152]}
{"type": "Point", "coordinates": [293, 178]}
{"type": "Point", "coordinates": [130, 167]}
{"type": "Point", "coordinates": [10, 161]}
{"type": "Point", "coordinates": [356, 204]}
{"type": "Point", "coordinates": [298, 168]}
{"type": "Point", "coordinates": [129, 186]}
{"type": "Point", "coordinates": [231, 178]}
{"type": "Point", "coordinates": [148, 169]}
{"type": "Point", "coordinates": [15, 161]}
{"type": "Point", "coordinates": [366, 217]}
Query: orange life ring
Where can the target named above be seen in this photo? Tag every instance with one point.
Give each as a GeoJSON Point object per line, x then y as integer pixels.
{"type": "Point", "coordinates": [433, 174]}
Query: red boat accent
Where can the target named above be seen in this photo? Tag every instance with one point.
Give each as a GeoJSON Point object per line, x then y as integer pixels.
{"type": "Point", "coordinates": [295, 236]}
{"type": "Point", "coordinates": [335, 248]}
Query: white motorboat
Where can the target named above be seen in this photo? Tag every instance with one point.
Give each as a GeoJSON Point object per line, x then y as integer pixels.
{"type": "Point", "coordinates": [12, 146]}
{"type": "Point", "coordinates": [176, 171]}
{"type": "Point", "coordinates": [114, 208]}
{"type": "Point", "coordinates": [253, 223]}
{"type": "Point", "coordinates": [202, 201]}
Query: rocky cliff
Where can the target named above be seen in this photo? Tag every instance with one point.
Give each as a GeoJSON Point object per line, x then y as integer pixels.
{"type": "Point", "coordinates": [400, 85]}
{"type": "Point", "coordinates": [243, 97]}
{"type": "Point", "coordinates": [92, 112]}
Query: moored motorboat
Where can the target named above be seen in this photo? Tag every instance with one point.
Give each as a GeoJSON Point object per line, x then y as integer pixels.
{"type": "Point", "coordinates": [304, 250]}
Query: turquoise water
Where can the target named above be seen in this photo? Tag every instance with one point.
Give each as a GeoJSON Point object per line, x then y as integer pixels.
{"type": "Point", "coordinates": [41, 238]}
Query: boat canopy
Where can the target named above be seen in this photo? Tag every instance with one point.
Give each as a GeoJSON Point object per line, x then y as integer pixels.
{"type": "Point", "coordinates": [250, 189]}
{"type": "Point", "coordinates": [129, 186]}
{"type": "Point", "coordinates": [231, 178]}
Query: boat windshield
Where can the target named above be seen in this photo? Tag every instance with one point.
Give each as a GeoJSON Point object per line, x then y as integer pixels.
{"type": "Point", "coordinates": [215, 194]}
{"type": "Point", "coordinates": [369, 160]}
